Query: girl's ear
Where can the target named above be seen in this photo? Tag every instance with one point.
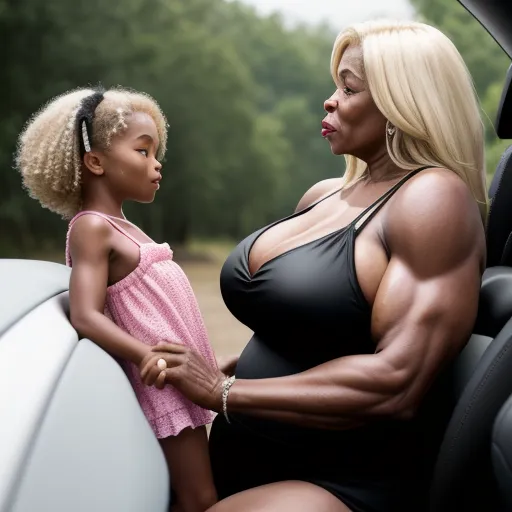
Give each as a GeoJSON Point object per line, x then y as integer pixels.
{"type": "Point", "coordinates": [93, 162]}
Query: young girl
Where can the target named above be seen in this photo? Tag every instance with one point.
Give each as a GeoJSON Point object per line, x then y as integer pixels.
{"type": "Point", "coordinates": [82, 156]}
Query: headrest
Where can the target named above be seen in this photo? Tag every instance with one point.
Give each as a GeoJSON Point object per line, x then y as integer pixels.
{"type": "Point", "coordinates": [495, 303]}
{"type": "Point", "coordinates": [499, 224]}
{"type": "Point", "coordinates": [504, 115]}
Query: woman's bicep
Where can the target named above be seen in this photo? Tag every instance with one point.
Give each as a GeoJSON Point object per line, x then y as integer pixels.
{"type": "Point", "coordinates": [427, 301]}
{"type": "Point", "coordinates": [446, 303]}
{"type": "Point", "coordinates": [421, 325]}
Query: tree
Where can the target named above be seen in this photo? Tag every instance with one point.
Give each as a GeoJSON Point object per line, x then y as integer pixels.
{"type": "Point", "coordinates": [486, 61]}
{"type": "Point", "coordinates": [243, 96]}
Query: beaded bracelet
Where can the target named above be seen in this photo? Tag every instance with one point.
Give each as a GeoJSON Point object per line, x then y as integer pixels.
{"type": "Point", "coordinates": [226, 385]}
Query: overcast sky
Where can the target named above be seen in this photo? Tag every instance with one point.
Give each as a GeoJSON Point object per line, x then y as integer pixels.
{"type": "Point", "coordinates": [337, 13]}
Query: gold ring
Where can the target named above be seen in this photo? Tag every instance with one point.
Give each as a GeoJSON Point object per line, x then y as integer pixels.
{"type": "Point", "coordinates": [162, 364]}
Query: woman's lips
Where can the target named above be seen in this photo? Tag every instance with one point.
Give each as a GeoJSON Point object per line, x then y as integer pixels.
{"type": "Point", "coordinates": [327, 129]}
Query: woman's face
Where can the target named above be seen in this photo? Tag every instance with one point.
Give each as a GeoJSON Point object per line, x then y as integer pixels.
{"type": "Point", "coordinates": [353, 125]}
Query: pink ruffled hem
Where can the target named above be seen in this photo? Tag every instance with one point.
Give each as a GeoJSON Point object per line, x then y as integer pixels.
{"type": "Point", "coordinates": [172, 423]}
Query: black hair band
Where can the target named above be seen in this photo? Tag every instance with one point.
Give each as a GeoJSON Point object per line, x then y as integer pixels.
{"type": "Point", "coordinates": [85, 117]}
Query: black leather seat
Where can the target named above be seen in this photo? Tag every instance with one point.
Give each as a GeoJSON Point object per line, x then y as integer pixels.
{"type": "Point", "coordinates": [480, 380]}
{"type": "Point", "coordinates": [502, 452]}
{"type": "Point", "coordinates": [499, 226]}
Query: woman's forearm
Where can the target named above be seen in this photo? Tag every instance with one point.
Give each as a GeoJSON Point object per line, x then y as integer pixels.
{"type": "Point", "coordinates": [111, 338]}
{"type": "Point", "coordinates": [340, 393]}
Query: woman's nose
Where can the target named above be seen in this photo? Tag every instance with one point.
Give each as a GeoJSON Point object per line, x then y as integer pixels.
{"type": "Point", "coordinates": [330, 105]}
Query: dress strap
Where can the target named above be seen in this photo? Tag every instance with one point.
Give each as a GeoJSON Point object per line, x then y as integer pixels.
{"type": "Point", "coordinates": [367, 215]}
{"type": "Point", "coordinates": [108, 218]}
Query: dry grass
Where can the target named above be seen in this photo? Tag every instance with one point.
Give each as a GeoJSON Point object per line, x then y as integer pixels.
{"type": "Point", "coordinates": [227, 334]}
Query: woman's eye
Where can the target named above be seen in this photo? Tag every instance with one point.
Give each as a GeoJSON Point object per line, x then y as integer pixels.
{"type": "Point", "coordinates": [348, 91]}
{"type": "Point", "coordinates": [143, 152]}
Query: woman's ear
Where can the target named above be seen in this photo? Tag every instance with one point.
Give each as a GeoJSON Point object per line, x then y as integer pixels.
{"type": "Point", "coordinates": [93, 162]}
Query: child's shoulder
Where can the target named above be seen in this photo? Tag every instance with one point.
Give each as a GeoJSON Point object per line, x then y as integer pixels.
{"type": "Point", "coordinates": [90, 223]}
{"type": "Point", "coordinates": [89, 229]}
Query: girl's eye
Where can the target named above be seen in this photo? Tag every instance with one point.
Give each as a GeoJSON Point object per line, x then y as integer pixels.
{"type": "Point", "coordinates": [348, 91]}
{"type": "Point", "coordinates": [143, 152]}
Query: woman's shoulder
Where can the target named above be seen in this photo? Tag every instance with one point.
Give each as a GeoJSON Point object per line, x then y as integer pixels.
{"type": "Point", "coordinates": [317, 191]}
{"type": "Point", "coordinates": [436, 192]}
{"type": "Point", "coordinates": [434, 209]}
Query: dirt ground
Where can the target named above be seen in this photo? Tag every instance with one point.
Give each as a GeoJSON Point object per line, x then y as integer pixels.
{"type": "Point", "coordinates": [227, 334]}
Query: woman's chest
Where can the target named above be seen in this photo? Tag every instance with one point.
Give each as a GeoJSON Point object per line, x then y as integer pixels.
{"type": "Point", "coordinates": [316, 287]}
{"type": "Point", "coordinates": [299, 230]}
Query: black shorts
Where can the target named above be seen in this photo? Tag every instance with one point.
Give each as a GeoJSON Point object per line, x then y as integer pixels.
{"type": "Point", "coordinates": [366, 473]}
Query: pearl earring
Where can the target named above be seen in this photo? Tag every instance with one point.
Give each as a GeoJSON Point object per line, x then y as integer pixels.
{"type": "Point", "coordinates": [391, 130]}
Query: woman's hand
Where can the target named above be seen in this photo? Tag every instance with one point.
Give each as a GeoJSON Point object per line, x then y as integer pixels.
{"type": "Point", "coordinates": [227, 364]}
{"type": "Point", "coordinates": [187, 371]}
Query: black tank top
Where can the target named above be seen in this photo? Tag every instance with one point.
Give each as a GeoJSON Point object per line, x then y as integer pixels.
{"type": "Point", "coordinates": [305, 306]}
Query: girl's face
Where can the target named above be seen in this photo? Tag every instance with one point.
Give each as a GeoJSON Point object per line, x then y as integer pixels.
{"type": "Point", "coordinates": [130, 163]}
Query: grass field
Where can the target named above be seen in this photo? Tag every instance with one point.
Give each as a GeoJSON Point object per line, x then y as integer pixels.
{"type": "Point", "coordinates": [227, 334]}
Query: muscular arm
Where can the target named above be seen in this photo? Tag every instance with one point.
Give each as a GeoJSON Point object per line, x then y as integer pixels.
{"type": "Point", "coordinates": [422, 316]}
{"type": "Point", "coordinates": [90, 248]}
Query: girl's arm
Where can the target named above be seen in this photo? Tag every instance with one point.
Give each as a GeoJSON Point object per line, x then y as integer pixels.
{"type": "Point", "coordinates": [90, 246]}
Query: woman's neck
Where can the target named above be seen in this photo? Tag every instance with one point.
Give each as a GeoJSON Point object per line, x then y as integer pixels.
{"type": "Point", "coordinates": [382, 168]}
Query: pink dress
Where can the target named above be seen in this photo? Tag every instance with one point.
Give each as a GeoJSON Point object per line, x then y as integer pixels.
{"type": "Point", "coordinates": [155, 303]}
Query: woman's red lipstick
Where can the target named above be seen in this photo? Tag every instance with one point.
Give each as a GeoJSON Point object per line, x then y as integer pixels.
{"type": "Point", "coordinates": [327, 128]}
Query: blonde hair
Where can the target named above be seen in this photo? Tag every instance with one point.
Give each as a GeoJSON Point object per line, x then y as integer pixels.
{"type": "Point", "coordinates": [48, 155]}
{"type": "Point", "coordinates": [420, 83]}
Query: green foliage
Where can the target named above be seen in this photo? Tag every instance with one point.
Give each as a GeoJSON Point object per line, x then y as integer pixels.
{"type": "Point", "coordinates": [243, 96]}
{"type": "Point", "coordinates": [485, 59]}
{"type": "Point", "coordinates": [242, 93]}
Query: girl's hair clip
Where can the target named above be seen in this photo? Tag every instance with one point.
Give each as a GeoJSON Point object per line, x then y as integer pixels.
{"type": "Point", "coordinates": [85, 116]}
{"type": "Point", "coordinates": [85, 137]}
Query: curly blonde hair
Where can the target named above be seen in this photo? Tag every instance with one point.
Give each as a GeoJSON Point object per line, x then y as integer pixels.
{"type": "Point", "coordinates": [48, 155]}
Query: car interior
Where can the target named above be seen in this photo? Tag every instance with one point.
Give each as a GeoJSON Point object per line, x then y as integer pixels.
{"type": "Point", "coordinates": [70, 417]}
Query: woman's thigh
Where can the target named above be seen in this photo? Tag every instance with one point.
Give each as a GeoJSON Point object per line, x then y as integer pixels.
{"type": "Point", "coordinates": [289, 496]}
{"type": "Point", "coordinates": [243, 461]}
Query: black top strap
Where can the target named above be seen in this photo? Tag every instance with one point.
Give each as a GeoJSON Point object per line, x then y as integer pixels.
{"type": "Point", "coordinates": [372, 210]}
